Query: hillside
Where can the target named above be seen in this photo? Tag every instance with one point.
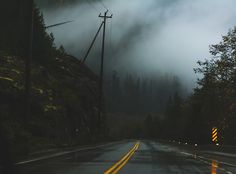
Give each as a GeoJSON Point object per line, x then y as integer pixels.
{"type": "Point", "coordinates": [63, 103]}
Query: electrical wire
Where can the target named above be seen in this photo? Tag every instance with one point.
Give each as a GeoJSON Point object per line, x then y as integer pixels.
{"type": "Point", "coordinates": [111, 43]}
{"type": "Point", "coordinates": [111, 34]}
{"type": "Point", "coordinates": [54, 25]}
{"type": "Point", "coordinates": [103, 4]}
{"type": "Point", "coordinates": [93, 6]}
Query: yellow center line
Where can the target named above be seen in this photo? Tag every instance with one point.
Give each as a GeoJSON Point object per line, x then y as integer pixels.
{"type": "Point", "coordinates": [116, 167]}
{"type": "Point", "coordinates": [119, 162]}
{"type": "Point", "coordinates": [122, 165]}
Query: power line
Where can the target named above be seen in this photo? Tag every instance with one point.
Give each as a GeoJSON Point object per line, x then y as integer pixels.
{"type": "Point", "coordinates": [103, 4]}
{"type": "Point", "coordinates": [111, 26]}
{"type": "Point", "coordinates": [54, 25]}
{"type": "Point", "coordinates": [93, 6]}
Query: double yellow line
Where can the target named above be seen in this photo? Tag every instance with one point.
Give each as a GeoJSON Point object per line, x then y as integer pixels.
{"type": "Point", "coordinates": [116, 167]}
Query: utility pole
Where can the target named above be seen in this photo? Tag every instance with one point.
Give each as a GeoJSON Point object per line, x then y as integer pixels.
{"type": "Point", "coordinates": [105, 17]}
{"type": "Point", "coordinates": [29, 59]}
{"type": "Point", "coordinates": [29, 55]}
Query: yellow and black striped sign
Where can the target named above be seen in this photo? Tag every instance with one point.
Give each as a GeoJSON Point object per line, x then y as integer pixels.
{"type": "Point", "coordinates": [214, 135]}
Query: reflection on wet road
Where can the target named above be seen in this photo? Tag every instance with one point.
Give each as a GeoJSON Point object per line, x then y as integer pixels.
{"type": "Point", "coordinates": [128, 157]}
{"type": "Point", "coordinates": [214, 167]}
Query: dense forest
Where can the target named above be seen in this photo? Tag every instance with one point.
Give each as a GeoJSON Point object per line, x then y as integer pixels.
{"type": "Point", "coordinates": [134, 95]}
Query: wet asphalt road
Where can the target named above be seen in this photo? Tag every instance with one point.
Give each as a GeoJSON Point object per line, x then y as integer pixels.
{"type": "Point", "coordinates": [148, 158]}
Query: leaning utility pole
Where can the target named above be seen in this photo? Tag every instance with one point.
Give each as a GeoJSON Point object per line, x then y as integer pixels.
{"type": "Point", "coordinates": [105, 17]}
{"type": "Point", "coordinates": [29, 55]}
{"type": "Point", "coordinates": [28, 59]}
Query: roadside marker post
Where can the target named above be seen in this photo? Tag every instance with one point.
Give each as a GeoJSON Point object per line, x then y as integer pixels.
{"type": "Point", "coordinates": [214, 135]}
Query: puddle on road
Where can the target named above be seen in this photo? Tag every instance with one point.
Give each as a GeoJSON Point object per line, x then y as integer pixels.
{"type": "Point", "coordinates": [214, 166]}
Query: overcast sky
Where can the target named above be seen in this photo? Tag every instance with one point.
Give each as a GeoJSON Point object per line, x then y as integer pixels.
{"type": "Point", "coordinates": [146, 36]}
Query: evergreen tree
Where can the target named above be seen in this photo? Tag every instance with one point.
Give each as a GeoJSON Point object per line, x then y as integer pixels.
{"type": "Point", "coordinates": [14, 33]}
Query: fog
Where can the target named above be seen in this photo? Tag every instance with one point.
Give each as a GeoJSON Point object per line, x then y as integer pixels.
{"type": "Point", "coordinates": [145, 37]}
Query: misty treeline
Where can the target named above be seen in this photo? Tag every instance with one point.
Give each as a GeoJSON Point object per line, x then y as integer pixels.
{"type": "Point", "coordinates": [139, 95]}
{"type": "Point", "coordinates": [64, 93]}
{"type": "Point", "coordinates": [145, 107]}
